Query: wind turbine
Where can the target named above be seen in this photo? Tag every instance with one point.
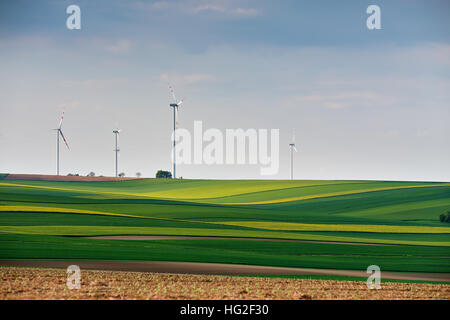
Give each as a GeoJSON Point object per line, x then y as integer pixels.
{"type": "Point", "coordinates": [175, 106]}
{"type": "Point", "coordinates": [292, 148]}
{"type": "Point", "coordinates": [59, 132]}
{"type": "Point", "coordinates": [116, 134]}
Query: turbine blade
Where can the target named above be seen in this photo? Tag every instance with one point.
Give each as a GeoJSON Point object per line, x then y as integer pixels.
{"type": "Point", "coordinates": [60, 122]}
{"type": "Point", "coordinates": [181, 102]}
{"type": "Point", "coordinates": [60, 131]}
{"type": "Point", "coordinates": [173, 93]}
{"type": "Point", "coordinates": [295, 149]}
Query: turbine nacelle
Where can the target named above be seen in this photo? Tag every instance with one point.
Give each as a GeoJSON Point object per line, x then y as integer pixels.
{"type": "Point", "coordinates": [175, 104]}
{"type": "Point", "coordinates": [292, 146]}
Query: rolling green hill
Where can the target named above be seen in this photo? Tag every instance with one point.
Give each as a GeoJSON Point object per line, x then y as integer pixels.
{"type": "Point", "coordinates": [49, 219]}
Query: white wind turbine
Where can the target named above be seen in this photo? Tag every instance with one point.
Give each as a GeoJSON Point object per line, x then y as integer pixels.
{"type": "Point", "coordinates": [292, 148]}
{"type": "Point", "coordinates": [175, 106]}
{"type": "Point", "coordinates": [58, 133]}
{"type": "Point", "coordinates": [116, 134]}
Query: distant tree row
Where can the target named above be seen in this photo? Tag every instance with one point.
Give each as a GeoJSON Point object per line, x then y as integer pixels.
{"type": "Point", "coordinates": [445, 217]}
{"type": "Point", "coordinates": [92, 174]}
{"type": "Point", "coordinates": [163, 174]}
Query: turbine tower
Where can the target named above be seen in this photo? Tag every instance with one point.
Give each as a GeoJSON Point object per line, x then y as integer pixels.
{"type": "Point", "coordinates": [116, 134]}
{"type": "Point", "coordinates": [175, 106]}
{"type": "Point", "coordinates": [292, 148]}
{"type": "Point", "coordinates": [59, 132]}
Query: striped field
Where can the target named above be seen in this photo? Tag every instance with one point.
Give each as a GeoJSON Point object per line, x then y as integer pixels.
{"type": "Point", "coordinates": [51, 220]}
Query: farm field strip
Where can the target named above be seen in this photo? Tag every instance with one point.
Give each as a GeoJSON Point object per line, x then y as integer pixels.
{"type": "Point", "coordinates": [6, 208]}
{"type": "Point", "coordinates": [118, 230]}
{"type": "Point", "coordinates": [282, 226]}
{"type": "Point", "coordinates": [257, 253]}
{"type": "Point", "coordinates": [290, 226]}
{"type": "Point", "coordinates": [333, 194]}
{"type": "Point", "coordinates": [345, 225]}
{"type": "Point", "coordinates": [66, 189]}
{"type": "Point", "coordinates": [398, 208]}
{"type": "Point", "coordinates": [214, 199]}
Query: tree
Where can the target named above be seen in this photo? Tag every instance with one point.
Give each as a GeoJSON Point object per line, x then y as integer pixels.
{"type": "Point", "coordinates": [122, 174]}
{"type": "Point", "coordinates": [91, 174]}
{"type": "Point", "coordinates": [138, 174]}
{"type": "Point", "coordinates": [445, 217]}
{"type": "Point", "coordinates": [163, 174]}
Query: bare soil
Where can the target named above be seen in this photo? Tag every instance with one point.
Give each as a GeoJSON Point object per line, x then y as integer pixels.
{"type": "Point", "coordinates": [213, 269]}
{"type": "Point", "coordinates": [32, 283]}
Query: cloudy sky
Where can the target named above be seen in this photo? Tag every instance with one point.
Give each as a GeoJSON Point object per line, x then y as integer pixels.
{"type": "Point", "coordinates": [365, 104]}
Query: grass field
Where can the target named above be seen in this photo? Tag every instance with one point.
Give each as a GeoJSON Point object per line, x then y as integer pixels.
{"type": "Point", "coordinates": [50, 219]}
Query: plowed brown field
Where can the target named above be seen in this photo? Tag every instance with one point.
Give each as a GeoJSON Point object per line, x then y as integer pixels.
{"type": "Point", "coordinates": [33, 283]}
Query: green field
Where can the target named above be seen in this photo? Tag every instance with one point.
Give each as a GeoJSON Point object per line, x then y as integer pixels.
{"type": "Point", "coordinates": [50, 220]}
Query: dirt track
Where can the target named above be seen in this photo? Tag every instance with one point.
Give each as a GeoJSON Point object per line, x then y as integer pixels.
{"type": "Point", "coordinates": [214, 269]}
{"type": "Point", "coordinates": [45, 177]}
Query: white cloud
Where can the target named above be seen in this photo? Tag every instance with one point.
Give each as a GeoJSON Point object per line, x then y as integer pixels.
{"type": "Point", "coordinates": [438, 53]}
{"type": "Point", "coordinates": [339, 101]}
{"type": "Point", "coordinates": [186, 78]}
{"type": "Point", "coordinates": [161, 4]}
{"type": "Point", "coordinates": [424, 133]}
{"type": "Point", "coordinates": [209, 7]}
{"type": "Point", "coordinates": [247, 12]}
{"type": "Point", "coordinates": [393, 133]}
{"type": "Point", "coordinates": [228, 10]}
{"type": "Point", "coordinates": [199, 7]}
{"type": "Point", "coordinates": [120, 46]}
{"type": "Point", "coordinates": [68, 105]}
{"type": "Point", "coordinates": [93, 83]}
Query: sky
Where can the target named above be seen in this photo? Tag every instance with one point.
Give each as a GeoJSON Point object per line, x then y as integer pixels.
{"type": "Point", "coordinates": [364, 104]}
